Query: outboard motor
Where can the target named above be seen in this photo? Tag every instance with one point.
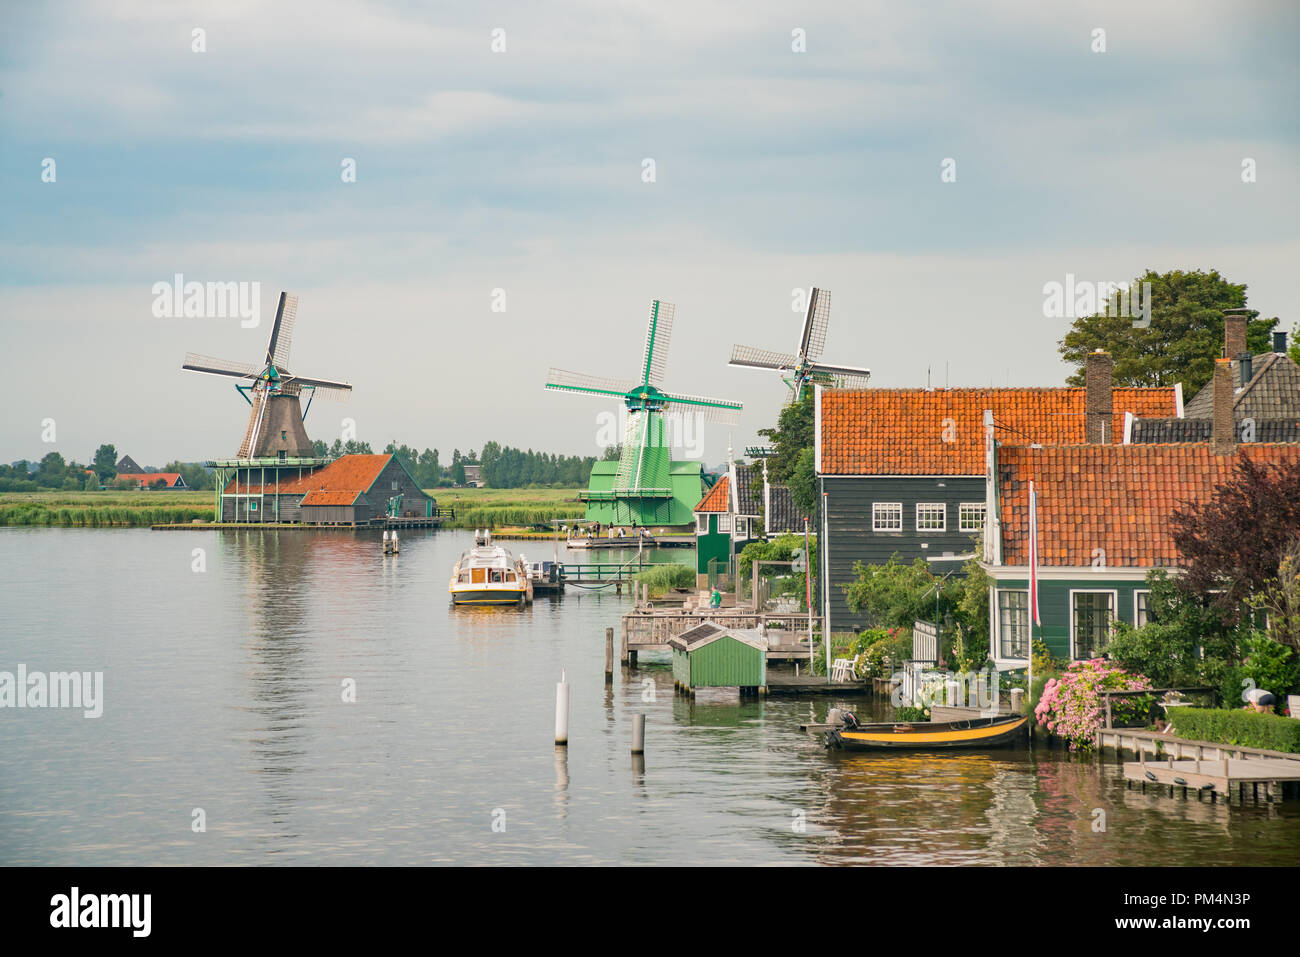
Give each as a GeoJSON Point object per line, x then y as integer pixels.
{"type": "Point", "coordinates": [850, 721]}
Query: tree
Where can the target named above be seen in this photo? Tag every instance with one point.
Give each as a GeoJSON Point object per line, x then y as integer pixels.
{"type": "Point", "coordinates": [1235, 541]}
{"type": "Point", "coordinates": [1183, 340]}
{"type": "Point", "coordinates": [320, 449]}
{"type": "Point", "coordinates": [793, 434]}
{"type": "Point", "coordinates": [105, 463]}
{"type": "Point", "coordinates": [803, 483]}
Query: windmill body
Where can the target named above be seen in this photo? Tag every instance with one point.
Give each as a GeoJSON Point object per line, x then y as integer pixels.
{"type": "Point", "coordinates": [645, 487]}
{"type": "Point", "coordinates": [805, 365]}
{"type": "Point", "coordinates": [275, 444]}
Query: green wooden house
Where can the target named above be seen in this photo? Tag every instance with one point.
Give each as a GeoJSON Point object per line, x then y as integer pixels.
{"type": "Point", "coordinates": [711, 656]}
{"type": "Point", "coordinates": [1104, 515]}
{"type": "Point", "coordinates": [723, 525]}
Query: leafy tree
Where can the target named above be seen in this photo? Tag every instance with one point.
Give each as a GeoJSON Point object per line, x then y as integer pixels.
{"type": "Point", "coordinates": [105, 463]}
{"type": "Point", "coordinates": [195, 475]}
{"type": "Point", "coordinates": [1183, 340]}
{"type": "Point", "coordinates": [1234, 542]}
{"type": "Point", "coordinates": [612, 453]}
{"type": "Point", "coordinates": [792, 435]}
{"type": "Point", "coordinates": [803, 483]}
{"type": "Point", "coordinates": [320, 448]}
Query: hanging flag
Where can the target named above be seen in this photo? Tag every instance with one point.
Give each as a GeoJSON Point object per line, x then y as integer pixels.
{"type": "Point", "coordinates": [1033, 555]}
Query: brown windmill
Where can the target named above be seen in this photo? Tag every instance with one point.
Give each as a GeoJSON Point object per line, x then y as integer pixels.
{"type": "Point", "coordinates": [275, 429]}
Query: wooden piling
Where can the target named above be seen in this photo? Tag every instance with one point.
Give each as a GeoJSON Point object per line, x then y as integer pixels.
{"type": "Point", "coordinates": [609, 655]}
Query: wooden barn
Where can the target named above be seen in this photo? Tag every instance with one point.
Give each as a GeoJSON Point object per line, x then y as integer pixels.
{"type": "Point", "coordinates": [711, 656]}
{"type": "Point", "coordinates": [351, 490]}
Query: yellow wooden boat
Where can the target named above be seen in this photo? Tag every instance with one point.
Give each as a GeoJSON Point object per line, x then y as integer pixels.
{"type": "Point", "coordinates": [970, 733]}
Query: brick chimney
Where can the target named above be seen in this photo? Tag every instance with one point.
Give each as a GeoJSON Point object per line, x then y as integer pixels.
{"type": "Point", "coordinates": [1234, 332]}
{"type": "Point", "coordinates": [1223, 441]}
{"type": "Point", "coordinates": [1098, 375]}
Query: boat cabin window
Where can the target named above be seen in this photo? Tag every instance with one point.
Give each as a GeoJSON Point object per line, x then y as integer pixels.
{"type": "Point", "coordinates": [510, 576]}
{"type": "Point", "coordinates": [496, 575]}
{"type": "Point", "coordinates": [478, 574]}
{"type": "Point", "coordinates": [463, 577]}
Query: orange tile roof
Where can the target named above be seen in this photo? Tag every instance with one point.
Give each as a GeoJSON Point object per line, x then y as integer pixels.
{"type": "Point", "coordinates": [1117, 498]}
{"type": "Point", "coordinates": [148, 478]}
{"type": "Point", "coordinates": [718, 498]}
{"type": "Point", "coordinates": [349, 474]}
{"type": "Point", "coordinates": [941, 431]}
{"type": "Point", "coordinates": [327, 497]}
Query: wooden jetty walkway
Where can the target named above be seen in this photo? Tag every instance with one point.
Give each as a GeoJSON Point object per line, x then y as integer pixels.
{"type": "Point", "coordinates": [1202, 766]}
{"type": "Point", "coordinates": [631, 541]}
{"type": "Point", "coordinates": [424, 521]}
{"type": "Point", "coordinates": [647, 628]}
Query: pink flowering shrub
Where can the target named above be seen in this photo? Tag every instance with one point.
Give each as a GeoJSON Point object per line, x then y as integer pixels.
{"type": "Point", "coordinates": [1071, 707]}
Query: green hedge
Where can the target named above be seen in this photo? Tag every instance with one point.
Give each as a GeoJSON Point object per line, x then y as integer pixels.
{"type": "Point", "coordinates": [1245, 728]}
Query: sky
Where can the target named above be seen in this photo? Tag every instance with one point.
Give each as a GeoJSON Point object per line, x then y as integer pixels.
{"type": "Point", "coordinates": [523, 170]}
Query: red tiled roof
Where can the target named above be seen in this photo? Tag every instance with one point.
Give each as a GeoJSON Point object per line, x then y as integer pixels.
{"type": "Point", "coordinates": [718, 498]}
{"type": "Point", "coordinates": [1118, 498]}
{"type": "Point", "coordinates": [148, 478]}
{"type": "Point", "coordinates": [941, 431]}
{"type": "Point", "coordinates": [350, 473]}
{"type": "Point", "coordinates": [323, 497]}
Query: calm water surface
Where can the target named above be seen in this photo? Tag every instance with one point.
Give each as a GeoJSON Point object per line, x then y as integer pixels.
{"type": "Point", "coordinates": [223, 692]}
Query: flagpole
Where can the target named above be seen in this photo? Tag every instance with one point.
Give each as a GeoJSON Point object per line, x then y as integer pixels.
{"type": "Point", "coordinates": [1033, 588]}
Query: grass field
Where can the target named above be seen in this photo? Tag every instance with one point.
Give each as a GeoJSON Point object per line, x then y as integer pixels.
{"type": "Point", "coordinates": [499, 508]}
{"type": "Point", "coordinates": [475, 507]}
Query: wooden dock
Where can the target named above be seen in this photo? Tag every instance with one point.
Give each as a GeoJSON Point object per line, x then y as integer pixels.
{"type": "Point", "coordinates": [631, 541]}
{"type": "Point", "coordinates": [780, 683]}
{"type": "Point", "coordinates": [648, 629]}
{"type": "Point", "coordinates": [1202, 767]}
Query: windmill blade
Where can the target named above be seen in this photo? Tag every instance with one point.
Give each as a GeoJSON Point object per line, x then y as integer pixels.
{"type": "Point", "coordinates": [240, 370]}
{"type": "Point", "coordinates": [813, 338]}
{"type": "Point", "coordinates": [331, 393]}
{"type": "Point", "coordinates": [254, 424]}
{"type": "Point", "coordinates": [319, 384]}
{"type": "Point", "coordinates": [749, 357]}
{"type": "Point", "coordinates": [286, 314]}
{"type": "Point", "coordinates": [658, 331]}
{"type": "Point", "coordinates": [564, 381]}
{"type": "Point", "coordinates": [848, 377]}
{"type": "Point", "coordinates": [709, 409]}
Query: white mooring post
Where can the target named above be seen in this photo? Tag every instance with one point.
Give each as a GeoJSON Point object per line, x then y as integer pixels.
{"type": "Point", "coordinates": [562, 710]}
{"type": "Point", "coordinates": [638, 733]}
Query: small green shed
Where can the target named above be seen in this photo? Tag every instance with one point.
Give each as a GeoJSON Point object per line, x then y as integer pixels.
{"type": "Point", "coordinates": [711, 656]}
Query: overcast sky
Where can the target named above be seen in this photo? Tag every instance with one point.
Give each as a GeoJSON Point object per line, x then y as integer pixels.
{"type": "Point", "coordinates": [522, 170]}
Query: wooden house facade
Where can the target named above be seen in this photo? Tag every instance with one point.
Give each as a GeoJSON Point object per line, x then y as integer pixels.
{"type": "Point", "coordinates": [351, 490]}
{"type": "Point", "coordinates": [901, 472]}
{"type": "Point", "coordinates": [1103, 524]}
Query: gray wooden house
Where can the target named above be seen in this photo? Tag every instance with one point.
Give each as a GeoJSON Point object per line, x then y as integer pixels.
{"type": "Point", "coordinates": [351, 490]}
{"type": "Point", "coordinates": [902, 471]}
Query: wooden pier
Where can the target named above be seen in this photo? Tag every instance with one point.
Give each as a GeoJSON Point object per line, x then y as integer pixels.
{"type": "Point", "coordinates": [631, 541]}
{"type": "Point", "coordinates": [1202, 767]}
{"type": "Point", "coordinates": [648, 629]}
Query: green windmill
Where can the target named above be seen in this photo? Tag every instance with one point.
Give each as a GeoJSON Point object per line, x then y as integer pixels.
{"type": "Point", "coordinates": [645, 487]}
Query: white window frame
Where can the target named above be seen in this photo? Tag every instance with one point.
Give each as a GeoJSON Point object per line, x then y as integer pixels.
{"type": "Point", "coordinates": [942, 515]}
{"type": "Point", "coordinates": [702, 523]}
{"type": "Point", "coordinates": [878, 507]}
{"type": "Point", "coordinates": [983, 508]}
{"type": "Point", "coordinates": [742, 527]}
{"type": "Point", "coordinates": [1136, 592]}
{"type": "Point", "coordinates": [1114, 611]}
{"type": "Point", "coordinates": [997, 614]}
{"type": "Point", "coordinates": [724, 522]}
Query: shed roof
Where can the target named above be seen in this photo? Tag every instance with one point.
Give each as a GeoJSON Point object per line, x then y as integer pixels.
{"type": "Point", "coordinates": [708, 632]}
{"type": "Point", "coordinates": [941, 431]}
{"type": "Point", "coordinates": [148, 478]}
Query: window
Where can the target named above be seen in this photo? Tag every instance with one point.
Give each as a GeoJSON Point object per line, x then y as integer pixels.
{"type": "Point", "coordinates": [970, 516]}
{"type": "Point", "coordinates": [394, 485]}
{"type": "Point", "coordinates": [1141, 608]}
{"type": "Point", "coordinates": [252, 505]}
{"type": "Point", "coordinates": [931, 517]}
{"type": "Point", "coordinates": [701, 523]}
{"type": "Point", "coordinates": [742, 528]}
{"type": "Point", "coordinates": [724, 523]}
{"type": "Point", "coordinates": [1093, 613]}
{"type": "Point", "coordinates": [886, 516]}
{"type": "Point", "coordinates": [1013, 624]}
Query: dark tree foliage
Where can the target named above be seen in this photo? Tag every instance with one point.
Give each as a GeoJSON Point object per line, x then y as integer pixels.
{"type": "Point", "coordinates": [793, 434]}
{"type": "Point", "coordinates": [1183, 340]}
{"type": "Point", "coordinates": [1235, 541]}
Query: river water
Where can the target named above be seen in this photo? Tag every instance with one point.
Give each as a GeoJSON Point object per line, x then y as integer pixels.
{"type": "Point", "coordinates": [223, 701]}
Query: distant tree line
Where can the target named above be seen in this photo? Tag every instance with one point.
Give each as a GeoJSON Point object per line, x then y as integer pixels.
{"type": "Point", "coordinates": [53, 472]}
{"type": "Point", "coordinates": [499, 466]}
